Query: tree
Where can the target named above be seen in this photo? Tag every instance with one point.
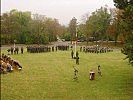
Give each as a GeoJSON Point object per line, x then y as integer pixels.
{"type": "Point", "coordinates": [72, 28]}
{"type": "Point", "coordinates": [15, 25]}
{"type": "Point", "coordinates": [127, 16]}
{"type": "Point", "coordinates": [97, 24]}
{"type": "Point", "coordinates": [29, 28]}
{"type": "Point", "coordinates": [52, 28]}
{"type": "Point", "coordinates": [9, 26]}
{"type": "Point", "coordinates": [37, 28]}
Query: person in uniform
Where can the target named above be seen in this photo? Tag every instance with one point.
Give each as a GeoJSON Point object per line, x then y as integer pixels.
{"type": "Point", "coordinates": [56, 48]}
{"type": "Point", "coordinates": [77, 60]}
{"type": "Point", "coordinates": [11, 50]}
{"type": "Point", "coordinates": [77, 54]}
{"type": "Point", "coordinates": [22, 50]}
{"type": "Point", "coordinates": [80, 49]}
{"type": "Point", "coordinates": [99, 70]}
{"type": "Point", "coordinates": [17, 50]}
{"type": "Point", "coordinates": [14, 50]}
{"type": "Point", "coordinates": [72, 53]}
{"type": "Point", "coordinates": [75, 73]}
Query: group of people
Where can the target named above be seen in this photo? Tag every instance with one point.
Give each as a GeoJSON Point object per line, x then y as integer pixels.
{"type": "Point", "coordinates": [92, 73]}
{"type": "Point", "coordinates": [38, 49]}
{"type": "Point", "coordinates": [7, 64]}
{"type": "Point", "coordinates": [75, 57]}
{"type": "Point", "coordinates": [96, 49]}
{"type": "Point", "coordinates": [15, 50]}
{"type": "Point", "coordinates": [63, 47]}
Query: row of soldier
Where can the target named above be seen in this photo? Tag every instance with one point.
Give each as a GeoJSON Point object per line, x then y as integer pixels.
{"type": "Point", "coordinates": [7, 64]}
{"type": "Point", "coordinates": [39, 49]}
{"type": "Point", "coordinates": [96, 49]}
{"type": "Point", "coordinates": [63, 47]}
{"type": "Point", "coordinates": [15, 50]}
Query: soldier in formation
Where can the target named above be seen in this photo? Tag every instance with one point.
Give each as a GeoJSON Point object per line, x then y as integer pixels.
{"type": "Point", "coordinates": [77, 60]}
{"type": "Point", "coordinates": [11, 50]}
{"type": "Point", "coordinates": [14, 50]}
{"type": "Point", "coordinates": [56, 48]}
{"type": "Point", "coordinates": [96, 49]}
{"type": "Point", "coordinates": [63, 47]}
{"type": "Point", "coordinates": [72, 53]}
{"type": "Point", "coordinates": [39, 49]}
{"type": "Point", "coordinates": [22, 50]}
{"type": "Point", "coordinates": [53, 48]}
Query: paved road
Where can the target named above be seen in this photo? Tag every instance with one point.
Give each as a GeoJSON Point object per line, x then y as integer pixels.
{"type": "Point", "coordinates": [5, 47]}
{"type": "Point", "coordinates": [60, 43]}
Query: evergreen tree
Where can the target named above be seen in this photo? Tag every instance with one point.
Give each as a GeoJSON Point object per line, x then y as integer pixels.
{"type": "Point", "coordinates": [127, 17]}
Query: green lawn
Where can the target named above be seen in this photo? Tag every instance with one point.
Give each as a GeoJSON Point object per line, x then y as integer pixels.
{"type": "Point", "coordinates": [49, 76]}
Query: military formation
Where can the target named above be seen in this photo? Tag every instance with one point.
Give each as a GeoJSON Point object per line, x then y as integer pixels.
{"type": "Point", "coordinates": [96, 49]}
{"type": "Point", "coordinates": [63, 47]}
{"type": "Point", "coordinates": [7, 64]}
{"type": "Point", "coordinates": [15, 50]}
{"type": "Point", "coordinates": [38, 49]}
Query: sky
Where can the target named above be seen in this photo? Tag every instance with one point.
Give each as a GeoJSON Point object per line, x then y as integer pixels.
{"type": "Point", "coordinates": [63, 10]}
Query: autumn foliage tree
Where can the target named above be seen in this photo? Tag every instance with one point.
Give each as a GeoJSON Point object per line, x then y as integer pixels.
{"type": "Point", "coordinates": [127, 17]}
{"type": "Point", "coordinates": [28, 28]}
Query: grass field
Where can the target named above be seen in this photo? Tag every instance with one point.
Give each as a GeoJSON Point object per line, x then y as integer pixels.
{"type": "Point", "coordinates": [49, 76]}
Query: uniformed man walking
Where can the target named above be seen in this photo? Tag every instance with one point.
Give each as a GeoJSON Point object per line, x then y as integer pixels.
{"type": "Point", "coordinates": [75, 73]}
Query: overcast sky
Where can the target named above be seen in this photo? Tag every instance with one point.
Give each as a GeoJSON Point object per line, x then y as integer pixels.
{"type": "Point", "coordinates": [63, 10]}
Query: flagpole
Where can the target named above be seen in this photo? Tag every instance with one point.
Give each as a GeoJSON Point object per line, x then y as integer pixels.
{"type": "Point", "coordinates": [76, 42]}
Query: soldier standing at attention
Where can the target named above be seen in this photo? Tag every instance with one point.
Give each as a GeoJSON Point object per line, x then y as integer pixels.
{"type": "Point", "coordinates": [22, 50]}
{"type": "Point", "coordinates": [17, 49]}
{"type": "Point", "coordinates": [56, 48]}
{"type": "Point", "coordinates": [77, 60]}
{"type": "Point", "coordinates": [77, 54]}
{"type": "Point", "coordinates": [11, 50]}
{"type": "Point", "coordinates": [80, 49]}
{"type": "Point", "coordinates": [72, 53]}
